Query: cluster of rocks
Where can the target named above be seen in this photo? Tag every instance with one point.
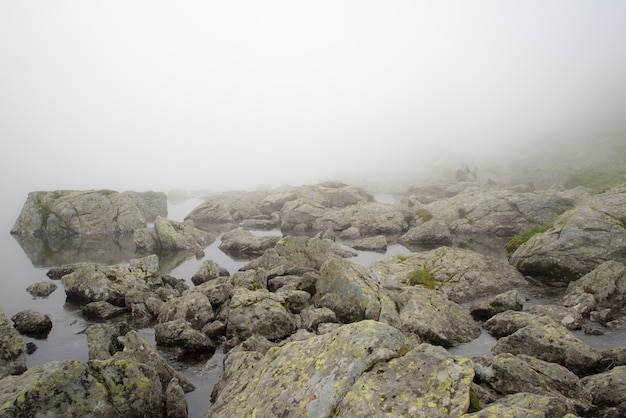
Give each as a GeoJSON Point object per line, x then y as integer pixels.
{"type": "Point", "coordinates": [310, 333]}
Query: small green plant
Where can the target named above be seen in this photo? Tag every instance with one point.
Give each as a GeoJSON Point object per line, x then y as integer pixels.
{"type": "Point", "coordinates": [474, 403]}
{"type": "Point", "coordinates": [402, 257]}
{"type": "Point", "coordinates": [422, 277]}
{"type": "Point", "coordinates": [515, 242]}
{"type": "Point", "coordinates": [424, 214]}
{"type": "Point", "coordinates": [462, 212]}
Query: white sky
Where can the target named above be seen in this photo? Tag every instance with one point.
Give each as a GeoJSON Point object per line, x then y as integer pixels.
{"type": "Point", "coordinates": [222, 94]}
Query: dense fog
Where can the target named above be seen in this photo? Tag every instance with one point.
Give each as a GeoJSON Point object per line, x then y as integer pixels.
{"type": "Point", "coordinates": [217, 95]}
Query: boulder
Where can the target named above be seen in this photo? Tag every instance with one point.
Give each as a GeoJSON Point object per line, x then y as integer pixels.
{"type": "Point", "coordinates": [168, 235]}
{"type": "Point", "coordinates": [371, 219]}
{"type": "Point", "coordinates": [242, 243]}
{"type": "Point", "coordinates": [462, 275]}
{"type": "Point", "coordinates": [568, 317]}
{"type": "Point", "coordinates": [193, 306]}
{"type": "Point", "coordinates": [580, 239]}
{"type": "Point", "coordinates": [435, 319]}
{"type": "Point", "coordinates": [105, 388]}
{"type": "Point", "coordinates": [550, 342]}
{"type": "Point", "coordinates": [41, 289]}
{"type": "Point", "coordinates": [296, 254]}
{"type": "Point", "coordinates": [102, 310]}
{"type": "Point", "coordinates": [138, 349]}
{"type": "Point", "coordinates": [312, 317]}
{"type": "Point", "coordinates": [426, 381]}
{"type": "Point", "coordinates": [175, 401]}
{"type": "Point", "coordinates": [429, 234]}
{"type": "Point", "coordinates": [307, 378]}
{"type": "Point", "coordinates": [34, 324]}
{"type": "Point", "coordinates": [506, 323]}
{"type": "Point", "coordinates": [92, 212]}
{"type": "Point", "coordinates": [602, 288]}
{"type": "Point", "coordinates": [259, 312]}
{"type": "Point", "coordinates": [181, 335]}
{"type": "Point", "coordinates": [508, 301]}
{"type": "Point", "coordinates": [377, 243]}
{"type": "Point", "coordinates": [12, 349]}
{"type": "Point", "coordinates": [608, 390]}
{"type": "Point", "coordinates": [526, 405]}
{"type": "Point", "coordinates": [218, 291]}
{"type": "Point", "coordinates": [507, 374]}
{"type": "Point", "coordinates": [349, 290]}
{"type": "Point", "coordinates": [103, 340]}
{"type": "Point", "coordinates": [209, 270]}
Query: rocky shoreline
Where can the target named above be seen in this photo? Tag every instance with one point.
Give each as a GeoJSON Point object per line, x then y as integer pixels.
{"type": "Point", "coordinates": [309, 332]}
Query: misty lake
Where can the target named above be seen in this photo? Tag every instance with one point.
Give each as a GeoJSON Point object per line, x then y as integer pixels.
{"type": "Point", "coordinates": [67, 340]}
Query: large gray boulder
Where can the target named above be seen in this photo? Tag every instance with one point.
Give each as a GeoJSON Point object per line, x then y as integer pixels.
{"type": "Point", "coordinates": [370, 219]}
{"type": "Point", "coordinates": [192, 306]}
{"type": "Point", "coordinates": [434, 318]}
{"type": "Point", "coordinates": [426, 381]}
{"type": "Point", "coordinates": [32, 323]}
{"type": "Point", "coordinates": [507, 374]}
{"type": "Point", "coordinates": [608, 390]}
{"type": "Point", "coordinates": [98, 388]}
{"type": "Point", "coordinates": [580, 239]}
{"type": "Point", "coordinates": [427, 234]}
{"type": "Point", "coordinates": [307, 378]}
{"type": "Point", "coordinates": [602, 288]}
{"type": "Point", "coordinates": [181, 335]}
{"type": "Point", "coordinates": [549, 341]}
{"type": "Point", "coordinates": [349, 290]}
{"type": "Point", "coordinates": [242, 243]}
{"type": "Point", "coordinates": [12, 349]}
{"type": "Point", "coordinates": [168, 235]}
{"type": "Point", "coordinates": [259, 312]}
{"type": "Point", "coordinates": [90, 212]}
{"type": "Point", "coordinates": [462, 275]}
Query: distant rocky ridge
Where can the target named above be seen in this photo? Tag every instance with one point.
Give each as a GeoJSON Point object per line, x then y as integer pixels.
{"type": "Point", "coordinates": [311, 333]}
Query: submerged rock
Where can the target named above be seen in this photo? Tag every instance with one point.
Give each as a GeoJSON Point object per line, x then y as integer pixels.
{"type": "Point", "coordinates": [41, 289]}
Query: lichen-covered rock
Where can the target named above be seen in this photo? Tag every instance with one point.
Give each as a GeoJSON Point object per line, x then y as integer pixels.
{"type": "Point", "coordinates": [102, 310]}
{"type": "Point", "coordinates": [193, 306]}
{"type": "Point", "coordinates": [435, 319]}
{"type": "Point", "coordinates": [608, 389]}
{"type": "Point", "coordinates": [98, 388]}
{"type": "Point", "coordinates": [349, 290]}
{"type": "Point", "coordinates": [306, 378]}
{"type": "Point", "coordinates": [428, 234]}
{"type": "Point", "coordinates": [175, 401]}
{"type": "Point", "coordinates": [242, 243]}
{"type": "Point", "coordinates": [602, 288]}
{"type": "Point", "coordinates": [506, 323]}
{"type": "Point", "coordinates": [312, 317]}
{"type": "Point", "coordinates": [297, 253]}
{"type": "Point", "coordinates": [526, 405]}
{"type": "Point", "coordinates": [371, 218]}
{"type": "Point", "coordinates": [506, 374]}
{"type": "Point", "coordinates": [508, 301]}
{"type": "Point", "coordinates": [377, 243]}
{"type": "Point", "coordinates": [209, 270]}
{"type": "Point", "coordinates": [93, 282]}
{"type": "Point", "coordinates": [580, 239]}
{"type": "Point", "coordinates": [168, 235]}
{"type": "Point", "coordinates": [462, 275]}
{"type": "Point", "coordinates": [138, 349]}
{"type": "Point", "coordinates": [102, 340]}
{"type": "Point", "coordinates": [32, 323]}
{"type": "Point", "coordinates": [550, 342]}
{"type": "Point", "coordinates": [41, 289]}
{"type": "Point", "coordinates": [91, 212]}
{"type": "Point", "coordinates": [568, 317]}
{"type": "Point", "coordinates": [259, 312]}
{"type": "Point", "coordinates": [218, 291]}
{"type": "Point", "coordinates": [427, 381]}
{"type": "Point", "coordinates": [180, 334]}
{"type": "Point", "coordinates": [12, 349]}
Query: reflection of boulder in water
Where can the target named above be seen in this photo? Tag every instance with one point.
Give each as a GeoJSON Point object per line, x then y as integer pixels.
{"type": "Point", "coordinates": [57, 250]}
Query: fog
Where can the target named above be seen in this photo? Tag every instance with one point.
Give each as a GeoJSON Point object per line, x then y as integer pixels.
{"type": "Point", "coordinates": [241, 94]}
